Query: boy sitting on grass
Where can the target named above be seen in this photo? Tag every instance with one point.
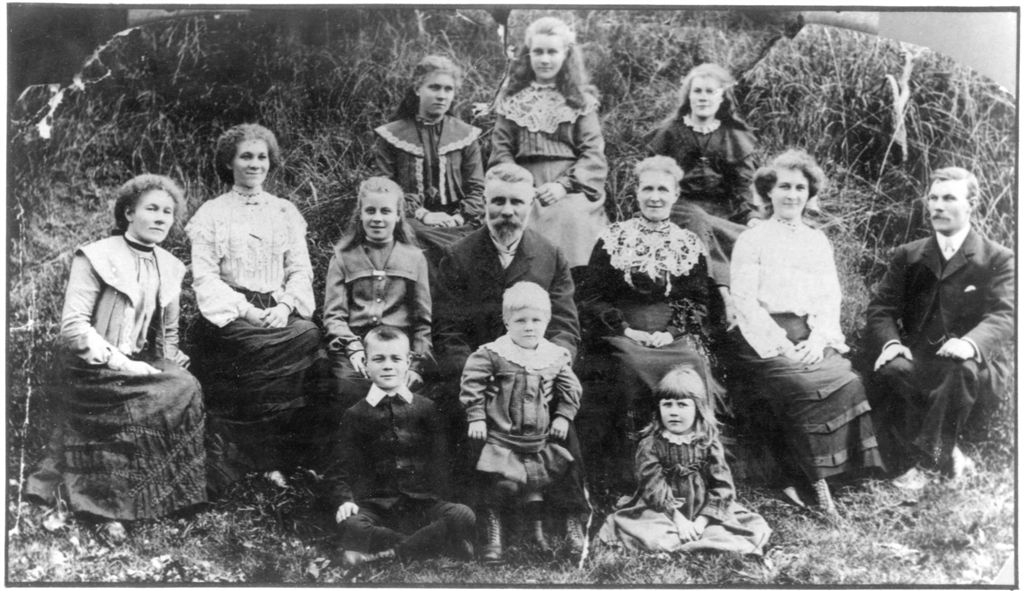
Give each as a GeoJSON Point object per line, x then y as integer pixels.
{"type": "Point", "coordinates": [389, 473]}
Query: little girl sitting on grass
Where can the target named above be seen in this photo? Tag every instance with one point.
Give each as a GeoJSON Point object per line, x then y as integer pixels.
{"type": "Point", "coordinates": [520, 394]}
{"type": "Point", "coordinates": [685, 500]}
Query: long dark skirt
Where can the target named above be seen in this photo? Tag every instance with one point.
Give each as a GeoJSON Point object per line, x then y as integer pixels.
{"type": "Point", "coordinates": [130, 447]}
{"type": "Point", "coordinates": [822, 409]}
{"type": "Point", "coordinates": [264, 391]}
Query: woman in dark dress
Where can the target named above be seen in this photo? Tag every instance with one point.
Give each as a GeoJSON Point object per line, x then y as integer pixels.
{"type": "Point", "coordinates": [131, 442]}
{"type": "Point", "coordinates": [647, 299]}
{"type": "Point", "coordinates": [435, 158]}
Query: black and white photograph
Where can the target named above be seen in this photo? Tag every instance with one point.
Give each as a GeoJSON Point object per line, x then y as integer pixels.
{"type": "Point", "coordinates": [468, 295]}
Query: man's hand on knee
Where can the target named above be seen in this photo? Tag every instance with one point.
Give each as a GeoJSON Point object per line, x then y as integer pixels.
{"type": "Point", "coordinates": [958, 349]}
{"type": "Point", "coordinates": [892, 351]}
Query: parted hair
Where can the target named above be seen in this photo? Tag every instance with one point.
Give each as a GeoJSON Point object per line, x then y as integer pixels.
{"type": "Point", "coordinates": [572, 80]}
{"type": "Point", "coordinates": [684, 383]}
{"type": "Point", "coordinates": [355, 234]}
{"type": "Point", "coordinates": [227, 147]}
{"type": "Point", "coordinates": [508, 172]}
{"type": "Point", "coordinates": [384, 333]}
{"type": "Point", "coordinates": [659, 164]}
{"type": "Point", "coordinates": [956, 173]}
{"type": "Point", "coordinates": [726, 111]}
{"type": "Point", "coordinates": [410, 105]}
{"type": "Point", "coordinates": [525, 295]}
{"type": "Point", "coordinates": [792, 159]}
{"type": "Point", "coordinates": [128, 195]}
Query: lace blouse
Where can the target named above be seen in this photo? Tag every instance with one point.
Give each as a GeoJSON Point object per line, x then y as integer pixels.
{"type": "Point", "coordinates": [780, 267]}
{"type": "Point", "coordinates": [637, 267]}
{"type": "Point", "coordinates": [537, 123]}
{"type": "Point", "coordinates": [253, 242]}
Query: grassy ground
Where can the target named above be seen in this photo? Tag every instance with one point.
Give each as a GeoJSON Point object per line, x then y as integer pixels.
{"type": "Point", "coordinates": [947, 534]}
{"type": "Point", "coordinates": [158, 97]}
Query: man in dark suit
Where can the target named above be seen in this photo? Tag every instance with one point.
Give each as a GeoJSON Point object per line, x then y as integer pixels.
{"type": "Point", "coordinates": [473, 274]}
{"type": "Point", "coordinates": [941, 319]}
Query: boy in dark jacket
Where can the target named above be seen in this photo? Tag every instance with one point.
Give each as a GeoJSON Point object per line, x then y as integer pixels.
{"type": "Point", "coordinates": [390, 476]}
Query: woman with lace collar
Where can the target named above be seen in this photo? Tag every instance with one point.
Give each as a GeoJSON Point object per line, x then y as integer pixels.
{"type": "Point", "coordinates": [787, 296]}
{"type": "Point", "coordinates": [648, 301]}
{"type": "Point", "coordinates": [548, 123]}
{"type": "Point", "coordinates": [434, 157]}
{"type": "Point", "coordinates": [254, 288]}
{"type": "Point", "coordinates": [131, 444]}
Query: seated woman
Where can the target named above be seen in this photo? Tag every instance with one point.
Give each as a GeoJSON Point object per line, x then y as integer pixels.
{"type": "Point", "coordinates": [786, 292]}
{"type": "Point", "coordinates": [131, 442]}
{"type": "Point", "coordinates": [647, 298]}
{"type": "Point", "coordinates": [435, 158]}
{"type": "Point", "coordinates": [254, 287]}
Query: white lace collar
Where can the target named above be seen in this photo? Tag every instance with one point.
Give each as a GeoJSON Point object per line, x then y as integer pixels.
{"type": "Point", "coordinates": [678, 439]}
{"type": "Point", "coordinates": [250, 196]}
{"type": "Point", "coordinates": [541, 108]}
{"type": "Point", "coordinates": [705, 128]}
{"type": "Point", "coordinates": [664, 249]}
{"type": "Point", "coordinates": [545, 355]}
{"type": "Point", "coordinates": [788, 225]}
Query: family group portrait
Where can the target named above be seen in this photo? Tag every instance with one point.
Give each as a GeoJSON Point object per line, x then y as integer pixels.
{"type": "Point", "coordinates": [515, 296]}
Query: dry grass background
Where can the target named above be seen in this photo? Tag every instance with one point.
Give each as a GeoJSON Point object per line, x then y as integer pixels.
{"type": "Point", "coordinates": [159, 96]}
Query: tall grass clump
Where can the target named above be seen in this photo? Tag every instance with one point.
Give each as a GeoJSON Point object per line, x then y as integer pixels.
{"type": "Point", "coordinates": [158, 97]}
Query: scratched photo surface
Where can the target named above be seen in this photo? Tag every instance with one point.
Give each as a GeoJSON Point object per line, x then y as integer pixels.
{"type": "Point", "coordinates": [228, 491]}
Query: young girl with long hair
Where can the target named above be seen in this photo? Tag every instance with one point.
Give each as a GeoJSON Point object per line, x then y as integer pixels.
{"type": "Point", "coordinates": [377, 276]}
{"type": "Point", "coordinates": [434, 156]}
{"type": "Point", "coordinates": [685, 500]}
{"type": "Point", "coordinates": [548, 123]}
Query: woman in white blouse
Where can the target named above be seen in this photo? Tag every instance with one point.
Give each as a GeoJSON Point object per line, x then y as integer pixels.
{"type": "Point", "coordinates": [786, 292]}
{"type": "Point", "coordinates": [254, 287]}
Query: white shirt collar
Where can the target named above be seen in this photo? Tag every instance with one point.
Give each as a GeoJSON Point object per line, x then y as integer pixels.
{"type": "Point", "coordinates": [955, 241]}
{"type": "Point", "coordinates": [375, 395]}
{"type": "Point", "coordinates": [506, 253]}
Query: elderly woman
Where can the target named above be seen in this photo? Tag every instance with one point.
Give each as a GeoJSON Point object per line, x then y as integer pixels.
{"type": "Point", "coordinates": [434, 157]}
{"type": "Point", "coordinates": [786, 292]}
{"type": "Point", "coordinates": [254, 287]}
{"type": "Point", "coordinates": [648, 297]}
{"type": "Point", "coordinates": [131, 444]}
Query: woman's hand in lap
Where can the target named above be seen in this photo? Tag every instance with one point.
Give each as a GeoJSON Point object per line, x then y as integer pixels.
{"type": "Point", "coordinates": [478, 430]}
{"type": "Point", "coordinates": [277, 317]}
{"type": "Point", "coordinates": [560, 427]}
{"type": "Point", "coordinates": [644, 338]}
{"type": "Point", "coordinates": [439, 218]}
{"type": "Point", "coordinates": [550, 193]}
{"type": "Point", "coordinates": [138, 368]}
{"type": "Point", "coordinates": [806, 352]}
{"type": "Point", "coordinates": [660, 339]}
{"type": "Point", "coordinates": [254, 316]}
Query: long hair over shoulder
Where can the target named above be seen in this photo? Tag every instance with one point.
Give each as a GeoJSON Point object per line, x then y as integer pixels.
{"type": "Point", "coordinates": [572, 80]}
{"type": "Point", "coordinates": [684, 383]}
{"type": "Point", "coordinates": [355, 234]}
{"type": "Point", "coordinates": [431, 64]}
{"type": "Point", "coordinates": [726, 111]}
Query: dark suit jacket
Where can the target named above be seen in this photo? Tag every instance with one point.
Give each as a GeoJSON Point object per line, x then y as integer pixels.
{"type": "Point", "coordinates": [384, 454]}
{"type": "Point", "coordinates": [974, 294]}
{"type": "Point", "coordinates": [468, 312]}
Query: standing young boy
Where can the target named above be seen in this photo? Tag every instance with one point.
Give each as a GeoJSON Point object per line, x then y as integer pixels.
{"type": "Point", "coordinates": [390, 469]}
